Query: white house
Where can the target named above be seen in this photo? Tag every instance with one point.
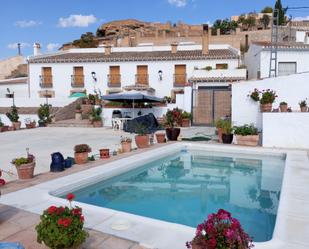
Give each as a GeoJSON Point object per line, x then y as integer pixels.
{"type": "Point", "coordinates": [292, 57]}
{"type": "Point", "coordinates": [160, 70]}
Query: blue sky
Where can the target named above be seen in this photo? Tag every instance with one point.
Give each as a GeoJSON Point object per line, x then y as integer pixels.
{"type": "Point", "coordinates": [55, 22]}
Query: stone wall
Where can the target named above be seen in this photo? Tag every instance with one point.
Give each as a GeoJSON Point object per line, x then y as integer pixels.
{"type": "Point", "coordinates": [10, 64]}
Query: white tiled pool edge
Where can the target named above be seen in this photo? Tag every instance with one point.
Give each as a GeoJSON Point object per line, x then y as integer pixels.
{"type": "Point", "coordinates": [292, 225]}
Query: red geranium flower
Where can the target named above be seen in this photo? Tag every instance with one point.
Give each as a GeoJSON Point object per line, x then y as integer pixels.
{"type": "Point", "coordinates": [60, 210]}
{"type": "Point", "coordinates": [52, 209]}
{"type": "Point", "coordinates": [2, 181]}
{"type": "Point", "coordinates": [64, 222]}
{"type": "Point", "coordinates": [76, 211]}
{"type": "Point", "coordinates": [70, 197]}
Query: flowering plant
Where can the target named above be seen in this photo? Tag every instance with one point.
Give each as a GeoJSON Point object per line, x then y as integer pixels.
{"type": "Point", "coordinates": [268, 97]}
{"type": "Point", "coordinates": [173, 117]}
{"type": "Point", "coordinates": [303, 103]}
{"type": "Point", "coordinates": [125, 139]}
{"type": "Point", "coordinates": [220, 231]}
{"type": "Point", "coordinates": [62, 227]}
{"type": "Point", "coordinates": [255, 95]}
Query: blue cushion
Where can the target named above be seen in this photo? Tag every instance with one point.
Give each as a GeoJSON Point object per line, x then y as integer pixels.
{"type": "Point", "coordinates": [10, 245]}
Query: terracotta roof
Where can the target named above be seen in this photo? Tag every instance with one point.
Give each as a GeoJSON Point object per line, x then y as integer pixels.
{"type": "Point", "coordinates": [21, 80]}
{"type": "Point", "coordinates": [216, 79]}
{"type": "Point", "coordinates": [283, 45]}
{"type": "Point", "coordinates": [135, 56]}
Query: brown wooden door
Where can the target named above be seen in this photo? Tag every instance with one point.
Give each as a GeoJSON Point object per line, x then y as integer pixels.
{"type": "Point", "coordinates": [114, 75]}
{"type": "Point", "coordinates": [79, 76]}
{"type": "Point", "coordinates": [211, 105]}
{"type": "Point", "coordinates": [142, 75]}
{"type": "Point", "coordinates": [180, 74]}
{"type": "Point", "coordinates": [47, 76]}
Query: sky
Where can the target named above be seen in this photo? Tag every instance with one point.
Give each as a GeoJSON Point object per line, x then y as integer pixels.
{"type": "Point", "coordinates": [52, 23]}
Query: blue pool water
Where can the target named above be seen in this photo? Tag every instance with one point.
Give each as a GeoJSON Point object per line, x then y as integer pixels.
{"type": "Point", "coordinates": [187, 186]}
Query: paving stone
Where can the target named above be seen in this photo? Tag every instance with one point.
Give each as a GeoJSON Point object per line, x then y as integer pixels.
{"type": "Point", "coordinates": [116, 243]}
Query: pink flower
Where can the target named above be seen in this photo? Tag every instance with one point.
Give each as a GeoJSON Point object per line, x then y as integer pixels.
{"type": "Point", "coordinates": [2, 181]}
{"type": "Point", "coordinates": [212, 243]}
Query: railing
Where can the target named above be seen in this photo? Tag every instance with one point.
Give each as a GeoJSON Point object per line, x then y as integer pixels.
{"type": "Point", "coordinates": [77, 81]}
{"type": "Point", "coordinates": [46, 81]}
{"type": "Point", "coordinates": [114, 80]}
{"type": "Point", "coordinates": [180, 80]}
{"type": "Point", "coordinates": [142, 79]}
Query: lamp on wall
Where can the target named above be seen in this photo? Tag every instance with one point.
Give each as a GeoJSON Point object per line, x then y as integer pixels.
{"type": "Point", "coordinates": [160, 73]}
{"type": "Point", "coordinates": [94, 76]}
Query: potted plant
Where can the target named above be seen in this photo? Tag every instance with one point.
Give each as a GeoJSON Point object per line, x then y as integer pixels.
{"type": "Point", "coordinates": [303, 105]}
{"type": "Point", "coordinates": [3, 127]}
{"type": "Point", "coordinates": [172, 118]}
{"type": "Point", "coordinates": [81, 153]}
{"type": "Point", "coordinates": [44, 115]}
{"type": "Point", "coordinates": [227, 136]}
{"type": "Point", "coordinates": [219, 125]}
{"type": "Point", "coordinates": [95, 117]}
{"type": "Point", "coordinates": [30, 124]}
{"type": "Point", "coordinates": [126, 144]}
{"type": "Point", "coordinates": [160, 137]}
{"type": "Point", "coordinates": [25, 166]}
{"type": "Point", "coordinates": [97, 100]}
{"type": "Point", "coordinates": [246, 135]}
{"type": "Point", "coordinates": [104, 153]}
{"type": "Point", "coordinates": [14, 117]}
{"type": "Point", "coordinates": [142, 138]}
{"type": "Point", "coordinates": [78, 112]}
{"type": "Point", "coordinates": [62, 227]}
{"type": "Point", "coordinates": [220, 230]}
{"type": "Point", "coordinates": [185, 119]}
{"type": "Point", "coordinates": [283, 107]}
{"type": "Point", "coordinates": [254, 95]}
{"type": "Point", "coordinates": [267, 100]}
{"type": "Point", "coordinates": [91, 98]}
{"type": "Point", "coordinates": [167, 99]}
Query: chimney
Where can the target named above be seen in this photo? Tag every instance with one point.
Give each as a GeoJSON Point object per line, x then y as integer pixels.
{"type": "Point", "coordinates": [36, 49]}
{"type": "Point", "coordinates": [107, 49]}
{"type": "Point", "coordinates": [174, 47]}
{"type": "Point", "coordinates": [205, 39]}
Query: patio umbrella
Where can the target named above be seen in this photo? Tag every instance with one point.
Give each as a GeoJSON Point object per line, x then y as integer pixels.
{"type": "Point", "coordinates": [131, 96]}
{"type": "Point", "coordinates": [78, 95]}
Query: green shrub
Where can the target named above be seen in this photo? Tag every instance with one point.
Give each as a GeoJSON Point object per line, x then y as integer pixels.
{"type": "Point", "coordinates": [268, 97]}
{"type": "Point", "coordinates": [141, 129]}
{"type": "Point", "coordinates": [44, 113]}
{"type": "Point", "coordinates": [95, 114]}
{"type": "Point", "coordinates": [13, 114]}
{"type": "Point", "coordinates": [245, 130]}
{"type": "Point", "coordinates": [186, 115]}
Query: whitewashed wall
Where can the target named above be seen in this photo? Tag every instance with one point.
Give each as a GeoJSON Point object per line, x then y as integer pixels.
{"type": "Point", "coordinates": [259, 60]}
{"type": "Point", "coordinates": [287, 130]}
{"type": "Point", "coordinates": [62, 75]}
{"type": "Point", "coordinates": [20, 90]}
{"type": "Point", "coordinates": [290, 89]}
{"type": "Point", "coordinates": [35, 102]}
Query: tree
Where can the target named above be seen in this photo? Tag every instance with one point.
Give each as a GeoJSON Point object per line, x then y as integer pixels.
{"type": "Point", "coordinates": [281, 13]}
{"type": "Point", "coordinates": [265, 20]}
{"type": "Point", "coordinates": [267, 10]}
{"type": "Point", "coordinates": [86, 41]}
{"type": "Point", "coordinates": [250, 21]}
{"type": "Point", "coordinates": [100, 32]}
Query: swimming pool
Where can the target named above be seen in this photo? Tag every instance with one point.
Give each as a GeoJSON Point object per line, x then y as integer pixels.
{"type": "Point", "coordinates": [185, 186]}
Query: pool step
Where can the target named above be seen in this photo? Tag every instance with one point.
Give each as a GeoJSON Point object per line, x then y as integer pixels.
{"type": "Point", "coordinates": [71, 123]}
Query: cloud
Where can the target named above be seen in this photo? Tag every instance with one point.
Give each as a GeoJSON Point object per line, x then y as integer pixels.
{"type": "Point", "coordinates": [301, 18]}
{"type": "Point", "coordinates": [27, 24]}
{"type": "Point", "coordinates": [178, 3]}
{"type": "Point", "coordinates": [52, 46]}
{"type": "Point", "coordinates": [15, 45]}
{"type": "Point", "coordinates": [76, 21]}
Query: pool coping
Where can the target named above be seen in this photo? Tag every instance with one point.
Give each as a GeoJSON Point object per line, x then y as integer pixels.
{"type": "Point", "coordinates": [291, 227]}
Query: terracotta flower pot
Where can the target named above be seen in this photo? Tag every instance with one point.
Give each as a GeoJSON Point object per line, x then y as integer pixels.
{"type": "Point", "coordinates": [97, 124]}
{"type": "Point", "coordinates": [283, 108]}
{"type": "Point", "coordinates": [172, 133]}
{"type": "Point", "coordinates": [185, 122]}
{"type": "Point", "coordinates": [81, 158]}
{"type": "Point", "coordinates": [104, 153]}
{"type": "Point", "coordinates": [252, 140]}
{"type": "Point", "coordinates": [220, 131]}
{"type": "Point", "coordinates": [142, 141]}
{"type": "Point", "coordinates": [78, 115]}
{"type": "Point", "coordinates": [160, 138]}
{"type": "Point", "coordinates": [4, 128]}
{"type": "Point", "coordinates": [16, 125]}
{"type": "Point", "coordinates": [126, 147]}
{"type": "Point", "coordinates": [303, 108]}
{"type": "Point", "coordinates": [25, 171]}
{"type": "Point", "coordinates": [266, 107]}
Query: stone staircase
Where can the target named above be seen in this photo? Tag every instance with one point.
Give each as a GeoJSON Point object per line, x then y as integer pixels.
{"type": "Point", "coordinates": [68, 111]}
{"type": "Point", "coordinates": [72, 123]}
